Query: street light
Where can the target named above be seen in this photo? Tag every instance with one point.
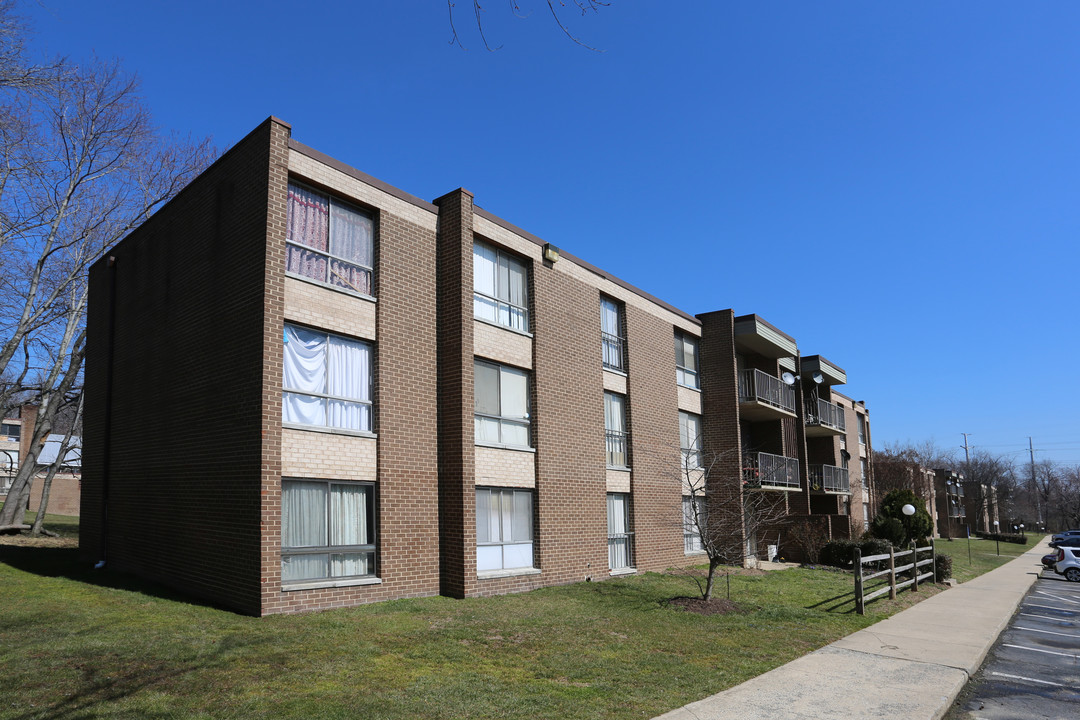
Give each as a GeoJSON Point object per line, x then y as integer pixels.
{"type": "Point", "coordinates": [1022, 533]}
{"type": "Point", "coordinates": [997, 537]}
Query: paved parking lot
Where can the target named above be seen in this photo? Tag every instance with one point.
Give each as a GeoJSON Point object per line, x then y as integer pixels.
{"type": "Point", "coordinates": [1033, 671]}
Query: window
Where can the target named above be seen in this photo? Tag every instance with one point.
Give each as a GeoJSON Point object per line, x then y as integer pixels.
{"type": "Point", "coordinates": [328, 241]}
{"type": "Point", "coordinates": [862, 430]}
{"type": "Point", "coordinates": [615, 429]}
{"type": "Point", "coordinates": [500, 288]}
{"type": "Point", "coordinates": [693, 510]}
{"type": "Point", "coordinates": [327, 530]}
{"type": "Point", "coordinates": [501, 403]}
{"type": "Point", "coordinates": [327, 380]}
{"type": "Point", "coordinates": [864, 469]}
{"type": "Point", "coordinates": [686, 360]}
{"type": "Point", "coordinates": [10, 431]}
{"type": "Point", "coordinates": [504, 529]}
{"type": "Point", "coordinates": [690, 439]}
{"type": "Point", "coordinates": [620, 545]}
{"type": "Point", "coordinates": [866, 516]}
{"type": "Point", "coordinates": [611, 336]}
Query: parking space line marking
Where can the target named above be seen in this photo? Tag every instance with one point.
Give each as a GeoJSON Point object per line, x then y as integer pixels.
{"type": "Point", "coordinates": [1048, 632]}
{"type": "Point", "coordinates": [1048, 607]}
{"type": "Point", "coordinates": [1021, 677]}
{"type": "Point", "coordinates": [1048, 652]}
{"type": "Point", "coordinates": [1043, 617]}
{"type": "Point", "coordinates": [1058, 597]}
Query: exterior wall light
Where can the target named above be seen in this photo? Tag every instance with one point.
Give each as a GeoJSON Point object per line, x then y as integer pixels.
{"type": "Point", "coordinates": [551, 253]}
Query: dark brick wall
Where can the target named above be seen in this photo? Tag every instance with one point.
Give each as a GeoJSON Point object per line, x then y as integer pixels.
{"type": "Point", "coordinates": [456, 461]}
{"type": "Point", "coordinates": [185, 418]}
{"type": "Point", "coordinates": [656, 479]}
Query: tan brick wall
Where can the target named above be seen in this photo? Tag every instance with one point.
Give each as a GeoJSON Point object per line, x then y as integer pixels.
{"type": "Point", "coordinates": [504, 346]}
{"type": "Point", "coordinates": [320, 307]}
{"type": "Point", "coordinates": [618, 481]}
{"type": "Point", "coordinates": [614, 382]}
{"type": "Point", "coordinates": [689, 400]}
{"type": "Point", "coordinates": [329, 456]}
{"type": "Point", "coordinates": [500, 467]}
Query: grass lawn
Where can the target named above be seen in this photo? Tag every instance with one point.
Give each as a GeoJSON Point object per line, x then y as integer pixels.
{"type": "Point", "coordinates": [984, 555]}
{"type": "Point", "coordinates": [75, 643]}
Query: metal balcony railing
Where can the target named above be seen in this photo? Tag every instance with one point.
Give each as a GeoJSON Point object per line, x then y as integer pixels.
{"type": "Point", "coordinates": [764, 470]}
{"type": "Point", "coordinates": [825, 414]}
{"type": "Point", "coordinates": [758, 386]}
{"type": "Point", "coordinates": [829, 478]}
{"type": "Point", "coordinates": [620, 550]}
{"type": "Point", "coordinates": [614, 359]}
{"type": "Point", "coordinates": [616, 449]}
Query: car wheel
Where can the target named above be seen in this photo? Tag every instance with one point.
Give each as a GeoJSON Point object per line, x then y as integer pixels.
{"type": "Point", "coordinates": [1072, 574]}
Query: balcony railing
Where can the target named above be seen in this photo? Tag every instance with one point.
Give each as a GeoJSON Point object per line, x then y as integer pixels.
{"type": "Point", "coordinates": [616, 449]}
{"type": "Point", "coordinates": [620, 550]}
{"type": "Point", "coordinates": [758, 386]}
{"type": "Point", "coordinates": [767, 471]}
{"type": "Point", "coordinates": [825, 414]}
{"type": "Point", "coordinates": [830, 479]}
{"type": "Point", "coordinates": [613, 352]}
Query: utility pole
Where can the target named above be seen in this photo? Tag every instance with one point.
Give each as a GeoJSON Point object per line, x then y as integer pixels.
{"type": "Point", "coordinates": [1034, 485]}
{"type": "Point", "coordinates": [967, 458]}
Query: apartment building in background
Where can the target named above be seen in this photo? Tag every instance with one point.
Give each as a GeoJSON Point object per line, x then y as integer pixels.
{"type": "Point", "coordinates": [309, 389]}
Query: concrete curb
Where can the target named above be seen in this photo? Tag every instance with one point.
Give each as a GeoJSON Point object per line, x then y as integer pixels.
{"type": "Point", "coordinates": [911, 665]}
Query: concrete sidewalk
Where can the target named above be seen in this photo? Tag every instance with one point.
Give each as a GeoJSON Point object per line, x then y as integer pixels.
{"type": "Point", "coordinates": [911, 665]}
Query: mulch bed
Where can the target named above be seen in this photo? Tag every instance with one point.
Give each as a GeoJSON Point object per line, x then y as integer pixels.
{"type": "Point", "coordinates": [715, 606]}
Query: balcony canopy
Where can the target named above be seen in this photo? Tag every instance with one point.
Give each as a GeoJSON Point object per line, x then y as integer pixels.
{"type": "Point", "coordinates": [834, 374]}
{"type": "Point", "coordinates": [753, 334]}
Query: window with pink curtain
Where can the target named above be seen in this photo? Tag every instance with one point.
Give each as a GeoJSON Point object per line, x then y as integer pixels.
{"type": "Point", "coordinates": [328, 241]}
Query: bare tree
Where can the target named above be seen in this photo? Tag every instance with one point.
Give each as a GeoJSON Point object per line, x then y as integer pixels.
{"type": "Point", "coordinates": [16, 70]}
{"type": "Point", "coordinates": [82, 165]}
{"type": "Point", "coordinates": [719, 517]}
{"type": "Point", "coordinates": [555, 7]}
{"type": "Point", "coordinates": [1069, 497]}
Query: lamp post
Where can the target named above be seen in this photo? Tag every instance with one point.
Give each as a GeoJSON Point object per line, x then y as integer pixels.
{"type": "Point", "coordinates": [996, 537]}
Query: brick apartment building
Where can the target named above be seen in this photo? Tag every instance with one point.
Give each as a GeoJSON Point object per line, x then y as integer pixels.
{"type": "Point", "coordinates": [16, 430]}
{"type": "Point", "coordinates": [308, 389]}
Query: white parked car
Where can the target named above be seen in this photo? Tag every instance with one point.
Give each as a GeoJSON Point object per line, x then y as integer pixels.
{"type": "Point", "coordinates": [1068, 563]}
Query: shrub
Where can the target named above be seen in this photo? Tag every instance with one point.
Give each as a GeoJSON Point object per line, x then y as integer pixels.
{"type": "Point", "coordinates": [874, 546]}
{"type": "Point", "coordinates": [889, 529]}
{"type": "Point", "coordinates": [942, 567]}
{"type": "Point", "coordinates": [838, 553]}
{"type": "Point", "coordinates": [1003, 537]}
{"type": "Point", "coordinates": [912, 526]}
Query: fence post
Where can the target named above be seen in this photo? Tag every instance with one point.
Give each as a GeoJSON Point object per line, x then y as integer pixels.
{"type": "Point", "coordinates": [915, 567]}
{"type": "Point", "coordinates": [892, 572]}
{"type": "Point", "coordinates": [859, 607]}
{"type": "Point", "coordinates": [933, 558]}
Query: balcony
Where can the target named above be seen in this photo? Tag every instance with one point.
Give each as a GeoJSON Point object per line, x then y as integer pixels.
{"type": "Point", "coordinates": [764, 397]}
{"type": "Point", "coordinates": [824, 419]}
{"type": "Point", "coordinates": [830, 479]}
{"type": "Point", "coordinates": [616, 449]}
{"type": "Point", "coordinates": [764, 471]}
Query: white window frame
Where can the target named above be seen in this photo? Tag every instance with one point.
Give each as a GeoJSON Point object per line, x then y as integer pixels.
{"type": "Point", "coordinates": [501, 304]}
{"type": "Point", "coordinates": [327, 548]}
{"type": "Point", "coordinates": [329, 254]}
{"type": "Point", "coordinates": [616, 431]}
{"type": "Point", "coordinates": [328, 398]}
{"type": "Point", "coordinates": [502, 418]}
{"type": "Point", "coordinates": [692, 544]}
{"type": "Point", "coordinates": [612, 339]}
{"type": "Point", "coordinates": [508, 550]}
{"type": "Point", "coordinates": [686, 375]}
{"type": "Point", "coordinates": [691, 447]}
{"type": "Point", "coordinates": [620, 532]}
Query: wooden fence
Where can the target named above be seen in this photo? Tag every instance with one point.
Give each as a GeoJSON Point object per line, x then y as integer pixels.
{"type": "Point", "coordinates": [862, 598]}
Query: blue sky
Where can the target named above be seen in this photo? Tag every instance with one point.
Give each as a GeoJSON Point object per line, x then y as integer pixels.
{"type": "Point", "coordinates": [893, 184]}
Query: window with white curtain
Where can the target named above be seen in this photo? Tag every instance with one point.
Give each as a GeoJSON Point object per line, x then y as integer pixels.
{"type": "Point", "coordinates": [500, 287]}
{"type": "Point", "coordinates": [620, 537]}
{"type": "Point", "coordinates": [504, 529]}
{"type": "Point", "coordinates": [326, 380]}
{"type": "Point", "coordinates": [686, 360]}
{"type": "Point", "coordinates": [328, 240]}
{"type": "Point", "coordinates": [690, 439]}
{"type": "Point", "coordinates": [693, 520]}
{"type": "Point", "coordinates": [611, 334]}
{"type": "Point", "coordinates": [501, 404]}
{"type": "Point", "coordinates": [615, 430]}
{"type": "Point", "coordinates": [327, 530]}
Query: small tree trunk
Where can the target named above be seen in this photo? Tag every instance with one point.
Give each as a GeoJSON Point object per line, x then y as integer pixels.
{"type": "Point", "coordinates": [707, 595]}
{"type": "Point", "coordinates": [46, 485]}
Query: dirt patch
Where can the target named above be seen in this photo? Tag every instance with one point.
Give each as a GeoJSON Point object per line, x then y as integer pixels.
{"type": "Point", "coordinates": [27, 540]}
{"type": "Point", "coordinates": [715, 606]}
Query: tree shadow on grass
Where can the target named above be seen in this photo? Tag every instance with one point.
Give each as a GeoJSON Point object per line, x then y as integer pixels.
{"type": "Point", "coordinates": [65, 562]}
